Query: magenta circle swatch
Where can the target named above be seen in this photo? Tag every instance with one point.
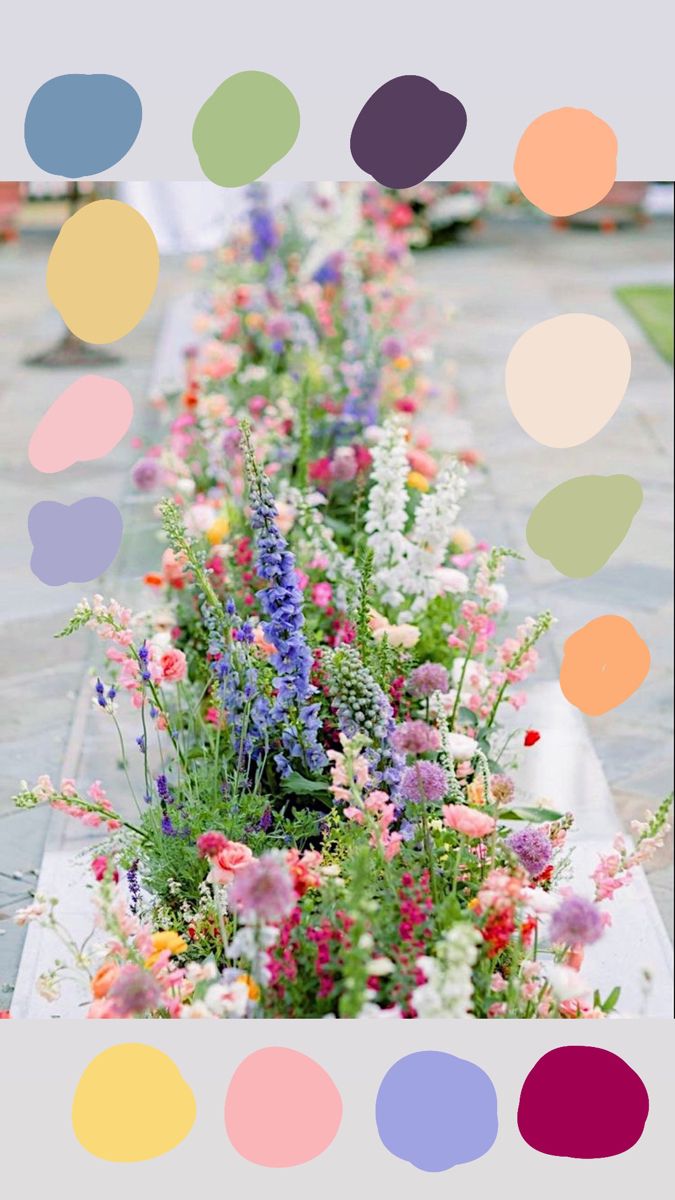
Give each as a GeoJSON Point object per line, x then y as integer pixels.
{"type": "Point", "coordinates": [406, 130]}
{"type": "Point", "coordinates": [282, 1109]}
{"type": "Point", "coordinates": [73, 543]}
{"type": "Point", "coordinates": [582, 1102]}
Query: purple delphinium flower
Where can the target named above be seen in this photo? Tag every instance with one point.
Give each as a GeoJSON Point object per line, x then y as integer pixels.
{"type": "Point", "coordinates": [533, 847]}
{"type": "Point", "coordinates": [134, 887]}
{"type": "Point", "coordinates": [265, 237]}
{"type": "Point", "coordinates": [281, 602]}
{"type": "Point", "coordinates": [577, 922]}
{"type": "Point", "coordinates": [134, 992]}
{"type": "Point", "coordinates": [263, 890]}
{"type": "Point", "coordinates": [424, 782]}
{"type": "Point", "coordinates": [428, 678]}
{"type": "Point", "coordinates": [146, 474]}
{"type": "Point", "coordinates": [416, 737]}
{"type": "Point", "coordinates": [163, 789]}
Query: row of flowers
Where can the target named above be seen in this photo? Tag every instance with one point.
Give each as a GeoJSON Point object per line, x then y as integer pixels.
{"type": "Point", "coordinates": [318, 813]}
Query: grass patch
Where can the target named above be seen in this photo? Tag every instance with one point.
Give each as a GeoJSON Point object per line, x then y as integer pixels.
{"type": "Point", "coordinates": [652, 307]}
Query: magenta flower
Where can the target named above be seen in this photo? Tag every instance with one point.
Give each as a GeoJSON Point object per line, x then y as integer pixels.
{"type": "Point", "coordinates": [424, 782]}
{"type": "Point", "coordinates": [416, 737]}
{"type": "Point", "coordinates": [577, 922]}
{"type": "Point", "coordinates": [428, 678]}
{"type": "Point", "coordinates": [263, 890]}
{"type": "Point", "coordinates": [211, 843]}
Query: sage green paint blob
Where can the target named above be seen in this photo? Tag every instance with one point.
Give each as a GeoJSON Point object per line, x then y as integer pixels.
{"type": "Point", "coordinates": [248, 124]}
{"type": "Point", "coordinates": [579, 524]}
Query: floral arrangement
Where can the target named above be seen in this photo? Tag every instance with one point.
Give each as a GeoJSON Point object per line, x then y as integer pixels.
{"type": "Point", "coordinates": [319, 813]}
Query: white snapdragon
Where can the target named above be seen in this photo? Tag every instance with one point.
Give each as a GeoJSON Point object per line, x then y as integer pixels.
{"type": "Point", "coordinates": [448, 990]}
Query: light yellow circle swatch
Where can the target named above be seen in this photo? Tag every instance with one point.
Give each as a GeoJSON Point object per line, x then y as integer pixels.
{"type": "Point", "coordinates": [566, 377]}
{"type": "Point", "coordinates": [103, 270]}
{"type": "Point", "coordinates": [132, 1104]}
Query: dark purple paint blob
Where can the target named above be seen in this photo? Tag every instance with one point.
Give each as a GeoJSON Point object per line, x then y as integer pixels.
{"type": "Point", "coordinates": [406, 130]}
{"type": "Point", "coordinates": [73, 543]}
{"type": "Point", "coordinates": [582, 1102]}
{"type": "Point", "coordinates": [435, 1110]}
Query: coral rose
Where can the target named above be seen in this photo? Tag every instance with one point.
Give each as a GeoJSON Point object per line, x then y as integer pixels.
{"type": "Point", "coordinates": [467, 820]}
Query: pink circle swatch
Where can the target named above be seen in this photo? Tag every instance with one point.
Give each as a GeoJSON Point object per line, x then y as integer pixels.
{"type": "Point", "coordinates": [282, 1109]}
{"type": "Point", "coordinates": [85, 422]}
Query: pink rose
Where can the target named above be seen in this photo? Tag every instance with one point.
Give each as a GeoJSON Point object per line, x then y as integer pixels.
{"type": "Point", "coordinates": [173, 664]}
{"type": "Point", "coordinates": [231, 859]}
{"type": "Point", "coordinates": [467, 820]}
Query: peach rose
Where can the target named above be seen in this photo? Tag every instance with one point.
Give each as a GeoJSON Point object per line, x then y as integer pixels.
{"type": "Point", "coordinates": [173, 665]}
{"type": "Point", "coordinates": [103, 980]}
{"type": "Point", "coordinates": [233, 857]}
{"type": "Point", "coordinates": [467, 820]}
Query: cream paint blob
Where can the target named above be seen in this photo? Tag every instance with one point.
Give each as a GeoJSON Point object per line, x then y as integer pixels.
{"type": "Point", "coordinates": [132, 1104]}
{"type": "Point", "coordinates": [566, 377]}
{"type": "Point", "coordinates": [85, 422]}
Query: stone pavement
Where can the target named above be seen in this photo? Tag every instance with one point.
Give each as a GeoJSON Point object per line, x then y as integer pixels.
{"type": "Point", "coordinates": [40, 677]}
{"type": "Point", "coordinates": [501, 280]}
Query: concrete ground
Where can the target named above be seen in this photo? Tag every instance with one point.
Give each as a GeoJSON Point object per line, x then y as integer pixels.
{"type": "Point", "coordinates": [500, 280]}
{"type": "Point", "coordinates": [40, 676]}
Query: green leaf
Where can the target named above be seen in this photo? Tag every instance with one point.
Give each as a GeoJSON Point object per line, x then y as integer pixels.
{"type": "Point", "coordinates": [536, 815]}
{"type": "Point", "coordinates": [466, 716]}
{"type": "Point", "coordinates": [611, 1000]}
{"type": "Point", "coordinates": [297, 783]}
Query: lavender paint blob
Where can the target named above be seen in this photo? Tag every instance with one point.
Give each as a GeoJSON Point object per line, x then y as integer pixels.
{"type": "Point", "coordinates": [435, 1111]}
{"type": "Point", "coordinates": [406, 130]}
{"type": "Point", "coordinates": [73, 543]}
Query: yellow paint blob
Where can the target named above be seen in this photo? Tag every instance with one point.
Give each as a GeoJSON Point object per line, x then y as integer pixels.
{"type": "Point", "coordinates": [132, 1104]}
{"type": "Point", "coordinates": [103, 270]}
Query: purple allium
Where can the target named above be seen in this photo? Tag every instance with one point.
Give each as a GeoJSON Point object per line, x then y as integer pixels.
{"type": "Point", "coordinates": [577, 922]}
{"type": "Point", "coordinates": [146, 474]}
{"type": "Point", "coordinates": [134, 992]}
{"type": "Point", "coordinates": [391, 347]}
{"type": "Point", "coordinates": [416, 737]}
{"type": "Point", "coordinates": [428, 678]}
{"type": "Point", "coordinates": [425, 781]}
{"type": "Point", "coordinates": [533, 847]}
{"type": "Point", "coordinates": [263, 890]}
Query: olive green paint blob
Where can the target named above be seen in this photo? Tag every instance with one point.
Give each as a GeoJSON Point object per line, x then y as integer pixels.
{"type": "Point", "coordinates": [248, 124]}
{"type": "Point", "coordinates": [579, 524]}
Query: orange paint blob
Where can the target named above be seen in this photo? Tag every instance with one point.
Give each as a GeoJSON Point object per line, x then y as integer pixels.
{"type": "Point", "coordinates": [566, 161]}
{"type": "Point", "coordinates": [604, 662]}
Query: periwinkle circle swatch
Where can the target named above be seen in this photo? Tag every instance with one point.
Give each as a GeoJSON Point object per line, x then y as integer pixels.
{"type": "Point", "coordinates": [73, 543]}
{"type": "Point", "coordinates": [603, 663]}
{"type": "Point", "coordinates": [102, 271]}
{"type": "Point", "coordinates": [566, 161]}
{"type": "Point", "coordinates": [282, 1108]}
{"type": "Point", "coordinates": [566, 377]}
{"type": "Point", "coordinates": [132, 1104]}
{"type": "Point", "coordinates": [582, 1102]}
{"type": "Point", "coordinates": [406, 130]}
{"type": "Point", "coordinates": [435, 1111]}
{"type": "Point", "coordinates": [249, 123]}
{"type": "Point", "coordinates": [85, 422]}
{"type": "Point", "coordinates": [79, 125]}
{"type": "Point", "coordinates": [579, 524]}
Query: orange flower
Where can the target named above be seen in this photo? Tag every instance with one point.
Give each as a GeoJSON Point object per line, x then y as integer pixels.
{"type": "Point", "coordinates": [253, 989]}
{"type": "Point", "coordinates": [402, 363]}
{"type": "Point", "coordinates": [217, 532]}
{"type": "Point", "coordinates": [153, 579]}
{"type": "Point", "coordinates": [418, 481]}
{"type": "Point", "coordinates": [166, 939]}
{"type": "Point", "coordinates": [103, 980]}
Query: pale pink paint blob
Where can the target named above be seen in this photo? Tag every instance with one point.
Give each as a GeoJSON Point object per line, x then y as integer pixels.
{"type": "Point", "coordinates": [85, 422]}
{"type": "Point", "coordinates": [282, 1109]}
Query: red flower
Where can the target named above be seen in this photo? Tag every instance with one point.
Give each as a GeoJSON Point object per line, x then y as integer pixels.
{"type": "Point", "coordinates": [531, 737]}
{"type": "Point", "coordinates": [100, 867]}
{"type": "Point", "coordinates": [5, 1014]}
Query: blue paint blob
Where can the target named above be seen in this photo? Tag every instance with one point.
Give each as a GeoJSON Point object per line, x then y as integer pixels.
{"type": "Point", "coordinates": [80, 125]}
{"type": "Point", "coordinates": [73, 543]}
{"type": "Point", "coordinates": [435, 1111]}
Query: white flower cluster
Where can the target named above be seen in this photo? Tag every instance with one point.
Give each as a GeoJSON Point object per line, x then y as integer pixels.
{"type": "Point", "coordinates": [409, 567]}
{"type": "Point", "coordinates": [318, 540]}
{"type": "Point", "coordinates": [448, 989]}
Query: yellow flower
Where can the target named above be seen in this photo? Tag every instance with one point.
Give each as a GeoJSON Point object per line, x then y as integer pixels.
{"type": "Point", "coordinates": [463, 539]}
{"type": "Point", "coordinates": [418, 481]}
{"type": "Point", "coordinates": [166, 939]}
{"type": "Point", "coordinates": [218, 531]}
{"type": "Point", "coordinates": [402, 363]}
{"type": "Point", "coordinates": [475, 792]}
{"type": "Point", "coordinates": [255, 320]}
{"type": "Point", "coordinates": [253, 989]}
